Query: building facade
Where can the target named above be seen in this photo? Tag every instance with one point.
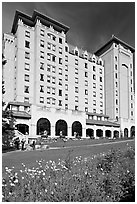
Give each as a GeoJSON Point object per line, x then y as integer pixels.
{"type": "Point", "coordinates": [54, 86]}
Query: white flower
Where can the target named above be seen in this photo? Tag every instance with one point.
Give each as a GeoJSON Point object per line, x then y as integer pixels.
{"type": "Point", "coordinates": [22, 177]}
{"type": "Point", "coordinates": [16, 181]}
{"type": "Point", "coordinates": [46, 190]}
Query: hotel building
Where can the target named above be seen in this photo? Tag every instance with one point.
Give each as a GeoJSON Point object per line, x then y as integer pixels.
{"type": "Point", "coordinates": [51, 85]}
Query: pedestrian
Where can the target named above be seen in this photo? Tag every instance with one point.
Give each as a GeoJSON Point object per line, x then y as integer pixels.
{"type": "Point", "coordinates": [22, 142]}
{"type": "Point", "coordinates": [17, 143]}
{"type": "Point", "coordinates": [33, 144]}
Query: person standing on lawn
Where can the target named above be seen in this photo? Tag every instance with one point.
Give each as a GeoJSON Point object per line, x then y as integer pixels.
{"type": "Point", "coordinates": [22, 142]}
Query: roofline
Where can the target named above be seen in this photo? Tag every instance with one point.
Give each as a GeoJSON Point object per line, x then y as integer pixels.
{"type": "Point", "coordinates": [32, 20]}
{"type": "Point", "coordinates": [115, 39]}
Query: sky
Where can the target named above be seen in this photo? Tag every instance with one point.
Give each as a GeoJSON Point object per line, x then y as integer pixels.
{"type": "Point", "coordinates": [91, 23]}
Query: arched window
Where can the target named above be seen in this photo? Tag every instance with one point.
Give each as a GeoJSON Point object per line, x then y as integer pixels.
{"type": "Point", "coordinates": [108, 133]}
{"type": "Point", "coordinates": [76, 129]}
{"type": "Point", "coordinates": [23, 128]}
{"type": "Point", "coordinates": [61, 128]}
{"type": "Point", "coordinates": [99, 133]}
{"type": "Point", "coordinates": [43, 124]}
{"type": "Point", "coordinates": [90, 133]}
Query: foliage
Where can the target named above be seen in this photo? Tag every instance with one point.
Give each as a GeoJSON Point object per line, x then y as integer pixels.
{"type": "Point", "coordinates": [102, 178]}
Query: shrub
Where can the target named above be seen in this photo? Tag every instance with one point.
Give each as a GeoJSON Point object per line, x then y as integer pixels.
{"type": "Point", "coordinates": [102, 178]}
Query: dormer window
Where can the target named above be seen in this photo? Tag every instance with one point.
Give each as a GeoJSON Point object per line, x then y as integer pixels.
{"type": "Point", "coordinates": [85, 55]}
{"type": "Point", "coordinates": [76, 52]}
{"type": "Point", "coordinates": [93, 59]}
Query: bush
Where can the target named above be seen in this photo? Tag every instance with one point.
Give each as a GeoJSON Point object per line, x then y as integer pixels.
{"type": "Point", "coordinates": [104, 178]}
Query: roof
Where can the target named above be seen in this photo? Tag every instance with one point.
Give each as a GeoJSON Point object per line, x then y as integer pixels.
{"type": "Point", "coordinates": [97, 114]}
{"type": "Point", "coordinates": [21, 114]}
{"type": "Point", "coordinates": [102, 123]}
{"type": "Point", "coordinates": [117, 40]}
{"type": "Point", "coordinates": [31, 21]}
{"type": "Point", "coordinates": [16, 103]}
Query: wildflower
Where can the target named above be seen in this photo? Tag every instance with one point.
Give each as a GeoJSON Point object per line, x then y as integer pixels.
{"type": "Point", "coordinates": [12, 184]}
{"type": "Point", "coordinates": [46, 190]}
{"type": "Point", "coordinates": [22, 177]}
{"type": "Point", "coordinates": [16, 181]}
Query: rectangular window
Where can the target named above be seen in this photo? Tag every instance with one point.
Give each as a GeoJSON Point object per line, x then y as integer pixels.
{"type": "Point", "coordinates": [66, 49]}
{"type": "Point", "coordinates": [66, 106]}
{"type": "Point", "coordinates": [53, 80]}
{"type": "Point", "coordinates": [66, 87]}
{"type": "Point", "coordinates": [116, 58]}
{"type": "Point", "coordinates": [116, 92]}
{"type": "Point", "coordinates": [94, 68]}
{"type": "Point", "coordinates": [48, 90]}
{"type": "Point", "coordinates": [60, 50]}
{"type": "Point", "coordinates": [66, 77]}
{"type": "Point", "coordinates": [115, 66]}
{"type": "Point", "coordinates": [76, 80]}
{"type": "Point", "coordinates": [26, 89]}
{"type": "Point", "coordinates": [94, 94]}
{"type": "Point", "coordinates": [76, 61]}
{"type": "Point", "coordinates": [60, 92]}
{"type": "Point", "coordinates": [76, 108]}
{"type": "Point", "coordinates": [94, 85]}
{"type": "Point", "coordinates": [76, 98]}
{"type": "Point", "coordinates": [100, 79]}
{"type": "Point", "coordinates": [86, 92]}
{"type": "Point", "coordinates": [100, 71]}
{"type": "Point", "coordinates": [27, 55]}
{"type": "Point", "coordinates": [76, 89]}
{"type": "Point", "coordinates": [41, 54]}
{"type": "Point", "coordinates": [26, 99]}
{"type": "Point", "coordinates": [101, 111]}
{"type": "Point", "coordinates": [27, 44]}
{"type": "Point", "coordinates": [66, 58]}
{"type": "Point", "coordinates": [42, 33]}
{"type": "Point", "coordinates": [60, 40]}
{"type": "Point", "coordinates": [116, 102]}
{"type": "Point", "coordinates": [48, 79]}
{"type": "Point", "coordinates": [66, 67]}
{"type": "Point", "coordinates": [101, 95]}
{"type": "Point", "coordinates": [86, 100]}
{"type": "Point", "coordinates": [60, 82]}
{"type": "Point", "coordinates": [41, 77]}
{"type": "Point", "coordinates": [60, 102]}
{"type": "Point", "coordinates": [86, 83]}
{"type": "Point", "coordinates": [53, 69]}
{"type": "Point", "coordinates": [94, 102]}
{"type": "Point", "coordinates": [53, 101]}
{"type": "Point", "coordinates": [41, 43]}
{"type": "Point", "coordinates": [60, 60]}
{"type": "Point", "coordinates": [53, 91]}
{"type": "Point", "coordinates": [27, 66]}
{"type": "Point", "coordinates": [27, 34]}
{"type": "Point", "coordinates": [66, 96]}
{"type": "Point", "coordinates": [101, 104]}
{"type": "Point", "coordinates": [27, 77]}
{"type": "Point", "coordinates": [86, 74]}
{"type": "Point", "coordinates": [48, 67]}
{"type": "Point", "coordinates": [41, 99]}
{"type": "Point", "coordinates": [94, 76]}
{"type": "Point", "coordinates": [86, 109]}
{"type": "Point", "coordinates": [41, 88]}
{"type": "Point", "coordinates": [76, 70]}
{"type": "Point", "coordinates": [48, 100]}
{"type": "Point", "coordinates": [53, 47]}
{"type": "Point", "coordinates": [60, 70]}
{"type": "Point", "coordinates": [101, 87]}
{"type": "Point", "coordinates": [86, 65]}
{"type": "Point", "coordinates": [42, 65]}
{"type": "Point", "coordinates": [94, 110]}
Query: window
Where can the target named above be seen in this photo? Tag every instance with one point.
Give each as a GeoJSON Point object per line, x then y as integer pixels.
{"type": "Point", "coordinates": [116, 58]}
{"type": "Point", "coordinates": [131, 89]}
{"type": "Point", "coordinates": [101, 104]}
{"type": "Point", "coordinates": [60, 50]}
{"type": "Point", "coordinates": [66, 49]}
{"type": "Point", "coordinates": [60, 82]}
{"type": "Point", "coordinates": [66, 67]}
{"type": "Point", "coordinates": [60, 102]}
{"type": "Point", "coordinates": [131, 113]}
{"type": "Point", "coordinates": [116, 110]}
{"type": "Point", "coordinates": [27, 77]}
{"type": "Point", "coordinates": [86, 109]}
{"type": "Point", "coordinates": [100, 71]}
{"type": "Point", "coordinates": [53, 48]}
{"type": "Point", "coordinates": [50, 36]}
{"type": "Point", "coordinates": [76, 98]}
{"type": "Point", "coordinates": [41, 77]}
{"type": "Point", "coordinates": [94, 76]}
{"type": "Point", "coordinates": [94, 102]}
{"type": "Point", "coordinates": [26, 89]}
{"type": "Point", "coordinates": [131, 97]}
{"type": "Point", "coordinates": [42, 65]}
{"type": "Point", "coordinates": [76, 89]}
{"type": "Point", "coordinates": [60, 60]}
{"type": "Point", "coordinates": [48, 79]}
{"type": "Point", "coordinates": [60, 70]}
{"type": "Point", "coordinates": [116, 102]}
{"type": "Point", "coordinates": [94, 94]}
{"type": "Point", "coordinates": [41, 54]}
{"type": "Point", "coordinates": [86, 92]}
{"type": "Point", "coordinates": [27, 34]}
{"type": "Point", "coordinates": [48, 100]}
{"type": "Point", "coordinates": [131, 105]}
{"type": "Point", "coordinates": [101, 95]}
{"type": "Point", "coordinates": [76, 80]}
{"type": "Point", "coordinates": [60, 92]}
{"type": "Point", "coordinates": [76, 108]}
{"type": "Point", "coordinates": [66, 106]}
{"type": "Point", "coordinates": [60, 40]}
{"type": "Point", "coordinates": [131, 81]}
{"type": "Point", "coordinates": [27, 55]}
{"type": "Point", "coordinates": [41, 43]}
{"type": "Point", "coordinates": [101, 87]}
{"type": "Point", "coordinates": [66, 87]}
{"type": "Point", "coordinates": [116, 92]}
{"type": "Point", "coordinates": [101, 111]}
{"type": "Point", "coordinates": [48, 67]}
{"type": "Point", "coordinates": [94, 85]}
{"type": "Point", "coordinates": [76, 52]}
{"type": "Point", "coordinates": [41, 88]}
{"type": "Point", "coordinates": [94, 110]}
{"type": "Point", "coordinates": [76, 70]}
{"type": "Point", "coordinates": [86, 74]}
{"type": "Point", "coordinates": [66, 96]}
{"type": "Point", "coordinates": [76, 61]}
{"type": "Point", "coordinates": [51, 57]}
{"type": "Point", "coordinates": [53, 80]}
{"type": "Point", "coordinates": [116, 75]}
{"type": "Point", "coordinates": [41, 99]}
{"type": "Point", "coordinates": [66, 58]}
{"type": "Point", "coordinates": [86, 83]}
{"type": "Point", "coordinates": [42, 33]}
{"type": "Point", "coordinates": [53, 101]}
{"type": "Point", "coordinates": [66, 77]}
{"type": "Point", "coordinates": [53, 69]}
{"type": "Point", "coordinates": [48, 90]}
{"type": "Point", "coordinates": [49, 46]}
{"type": "Point", "coordinates": [86, 100]}
{"type": "Point", "coordinates": [116, 84]}
{"type": "Point", "coordinates": [27, 44]}
{"type": "Point", "coordinates": [100, 79]}
{"type": "Point", "coordinates": [26, 99]}
{"type": "Point", "coordinates": [27, 66]}
{"type": "Point", "coordinates": [131, 73]}
{"type": "Point", "coordinates": [115, 66]}
{"type": "Point", "coordinates": [86, 65]}
{"type": "Point", "coordinates": [94, 68]}
{"type": "Point", "coordinates": [53, 91]}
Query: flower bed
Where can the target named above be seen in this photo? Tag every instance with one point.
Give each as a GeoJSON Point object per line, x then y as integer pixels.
{"type": "Point", "coordinates": [101, 178]}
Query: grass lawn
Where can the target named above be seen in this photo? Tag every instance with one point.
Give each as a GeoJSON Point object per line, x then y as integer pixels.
{"type": "Point", "coordinates": [29, 157]}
